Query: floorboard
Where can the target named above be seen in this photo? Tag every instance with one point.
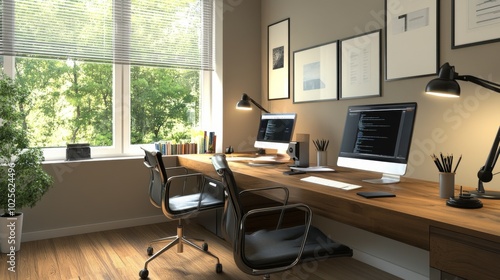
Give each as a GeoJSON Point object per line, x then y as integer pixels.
{"type": "Point", "coordinates": [120, 254]}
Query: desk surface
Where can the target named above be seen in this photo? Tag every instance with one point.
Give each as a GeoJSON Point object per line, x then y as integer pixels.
{"type": "Point", "coordinates": [407, 217]}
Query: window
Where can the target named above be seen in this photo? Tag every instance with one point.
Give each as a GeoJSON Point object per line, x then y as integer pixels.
{"type": "Point", "coordinates": [164, 104]}
{"type": "Point", "coordinates": [112, 73]}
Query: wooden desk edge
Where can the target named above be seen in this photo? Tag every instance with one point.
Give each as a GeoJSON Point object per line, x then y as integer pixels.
{"type": "Point", "coordinates": [408, 222]}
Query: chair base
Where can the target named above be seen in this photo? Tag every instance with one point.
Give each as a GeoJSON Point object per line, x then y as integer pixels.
{"type": "Point", "coordinates": [178, 240]}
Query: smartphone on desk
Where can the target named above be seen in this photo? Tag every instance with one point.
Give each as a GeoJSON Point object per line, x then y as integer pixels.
{"type": "Point", "coordinates": [293, 172]}
{"type": "Point", "coordinates": [375, 194]}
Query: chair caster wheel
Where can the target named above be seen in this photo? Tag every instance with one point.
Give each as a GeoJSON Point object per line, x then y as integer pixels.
{"type": "Point", "coordinates": [150, 251]}
{"type": "Point", "coordinates": [144, 274]}
{"type": "Point", "coordinates": [204, 246]}
{"type": "Point", "coordinates": [218, 268]}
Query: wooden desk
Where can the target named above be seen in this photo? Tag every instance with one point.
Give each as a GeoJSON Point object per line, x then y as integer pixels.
{"type": "Point", "coordinates": [416, 216]}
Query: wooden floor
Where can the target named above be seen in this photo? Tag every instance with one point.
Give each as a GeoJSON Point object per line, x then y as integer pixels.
{"type": "Point", "coordinates": [120, 254]}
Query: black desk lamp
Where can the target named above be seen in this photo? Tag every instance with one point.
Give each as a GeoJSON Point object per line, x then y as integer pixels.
{"type": "Point", "coordinates": [447, 86]}
{"type": "Point", "coordinates": [244, 103]}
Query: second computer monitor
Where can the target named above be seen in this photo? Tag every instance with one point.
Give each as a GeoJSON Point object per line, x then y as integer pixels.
{"type": "Point", "coordinates": [377, 138]}
{"type": "Point", "coordinates": [275, 131]}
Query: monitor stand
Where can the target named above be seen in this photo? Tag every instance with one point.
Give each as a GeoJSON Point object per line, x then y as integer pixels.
{"type": "Point", "coordinates": [268, 159]}
{"type": "Point", "coordinates": [261, 152]}
{"type": "Point", "coordinates": [386, 179]}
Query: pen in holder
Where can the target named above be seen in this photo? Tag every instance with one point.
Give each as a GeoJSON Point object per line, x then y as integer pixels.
{"type": "Point", "coordinates": [446, 174]}
{"type": "Point", "coordinates": [321, 155]}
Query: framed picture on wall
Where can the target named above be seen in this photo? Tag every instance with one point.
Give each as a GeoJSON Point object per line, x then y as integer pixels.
{"type": "Point", "coordinates": [475, 22]}
{"type": "Point", "coordinates": [315, 73]}
{"type": "Point", "coordinates": [360, 65]}
{"type": "Point", "coordinates": [412, 38]}
{"type": "Point", "coordinates": [278, 58]}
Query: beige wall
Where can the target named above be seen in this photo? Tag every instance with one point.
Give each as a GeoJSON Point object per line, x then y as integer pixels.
{"type": "Point", "coordinates": [242, 71]}
{"type": "Point", "coordinates": [460, 126]}
{"type": "Point", "coordinates": [92, 196]}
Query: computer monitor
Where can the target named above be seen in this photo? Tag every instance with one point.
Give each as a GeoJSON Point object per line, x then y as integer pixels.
{"type": "Point", "coordinates": [377, 138]}
{"type": "Point", "coordinates": [275, 131]}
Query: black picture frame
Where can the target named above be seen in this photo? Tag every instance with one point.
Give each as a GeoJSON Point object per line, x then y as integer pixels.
{"type": "Point", "coordinates": [360, 65]}
{"type": "Point", "coordinates": [278, 60]}
{"type": "Point", "coordinates": [411, 39]}
{"type": "Point", "coordinates": [471, 27]}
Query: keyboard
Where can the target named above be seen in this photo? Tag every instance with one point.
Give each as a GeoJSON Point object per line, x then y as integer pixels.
{"type": "Point", "coordinates": [258, 161]}
{"type": "Point", "coordinates": [330, 183]}
{"type": "Point", "coordinates": [229, 159]}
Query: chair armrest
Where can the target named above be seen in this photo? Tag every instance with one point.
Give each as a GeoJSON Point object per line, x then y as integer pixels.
{"type": "Point", "coordinates": [281, 208]}
{"type": "Point", "coordinates": [178, 168]}
{"type": "Point", "coordinates": [198, 187]}
{"type": "Point", "coordinates": [184, 177]}
{"type": "Point", "coordinates": [307, 225]}
{"type": "Point", "coordinates": [285, 190]}
{"type": "Point", "coordinates": [284, 201]}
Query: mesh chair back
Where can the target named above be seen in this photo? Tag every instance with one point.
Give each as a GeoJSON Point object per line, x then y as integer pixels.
{"type": "Point", "coordinates": [233, 210]}
{"type": "Point", "coordinates": [154, 163]}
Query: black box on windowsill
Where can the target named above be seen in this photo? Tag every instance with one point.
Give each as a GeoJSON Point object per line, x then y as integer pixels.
{"type": "Point", "coordinates": [77, 151]}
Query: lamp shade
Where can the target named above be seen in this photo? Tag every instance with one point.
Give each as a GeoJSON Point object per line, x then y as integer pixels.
{"type": "Point", "coordinates": [445, 85]}
{"type": "Point", "coordinates": [244, 103]}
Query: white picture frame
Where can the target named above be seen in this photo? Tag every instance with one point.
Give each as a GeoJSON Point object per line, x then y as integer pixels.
{"type": "Point", "coordinates": [315, 73]}
{"type": "Point", "coordinates": [472, 26]}
{"type": "Point", "coordinates": [412, 38]}
{"type": "Point", "coordinates": [360, 72]}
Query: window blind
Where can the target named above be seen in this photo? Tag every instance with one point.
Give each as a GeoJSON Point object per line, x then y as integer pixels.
{"type": "Point", "coordinates": [166, 33]}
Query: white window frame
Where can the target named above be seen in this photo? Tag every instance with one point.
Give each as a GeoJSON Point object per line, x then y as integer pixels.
{"type": "Point", "coordinates": [211, 106]}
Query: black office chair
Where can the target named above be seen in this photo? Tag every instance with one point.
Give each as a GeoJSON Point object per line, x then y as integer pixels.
{"type": "Point", "coordinates": [270, 250]}
{"type": "Point", "coordinates": [179, 199]}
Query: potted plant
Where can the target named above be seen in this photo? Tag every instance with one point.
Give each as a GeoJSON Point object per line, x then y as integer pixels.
{"type": "Point", "coordinates": [23, 182]}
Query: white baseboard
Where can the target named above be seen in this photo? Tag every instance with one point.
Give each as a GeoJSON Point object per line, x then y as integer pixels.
{"type": "Point", "coordinates": [387, 266]}
{"type": "Point", "coordinates": [67, 231]}
{"type": "Point", "coordinates": [394, 257]}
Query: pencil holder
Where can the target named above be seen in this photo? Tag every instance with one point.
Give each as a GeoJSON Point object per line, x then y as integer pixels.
{"type": "Point", "coordinates": [446, 184]}
{"type": "Point", "coordinates": [321, 158]}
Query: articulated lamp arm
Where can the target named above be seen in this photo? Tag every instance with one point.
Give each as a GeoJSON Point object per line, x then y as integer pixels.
{"type": "Point", "coordinates": [446, 85]}
{"type": "Point", "coordinates": [478, 81]}
{"type": "Point", "coordinates": [244, 103]}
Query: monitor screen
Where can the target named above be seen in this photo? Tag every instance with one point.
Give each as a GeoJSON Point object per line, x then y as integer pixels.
{"type": "Point", "coordinates": [275, 131]}
{"type": "Point", "coordinates": [377, 138]}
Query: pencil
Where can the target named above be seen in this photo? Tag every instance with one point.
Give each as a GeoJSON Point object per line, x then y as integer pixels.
{"type": "Point", "coordinates": [436, 163]}
{"type": "Point", "coordinates": [458, 162]}
{"type": "Point", "coordinates": [443, 163]}
{"type": "Point", "coordinates": [321, 145]}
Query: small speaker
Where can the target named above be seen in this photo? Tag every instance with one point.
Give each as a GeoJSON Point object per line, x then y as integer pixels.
{"type": "Point", "coordinates": [293, 151]}
{"type": "Point", "coordinates": [299, 153]}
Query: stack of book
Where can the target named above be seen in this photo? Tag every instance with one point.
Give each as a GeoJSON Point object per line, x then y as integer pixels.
{"type": "Point", "coordinates": [209, 141]}
{"type": "Point", "coordinates": [197, 146]}
{"type": "Point", "coordinates": [169, 148]}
